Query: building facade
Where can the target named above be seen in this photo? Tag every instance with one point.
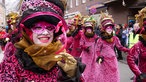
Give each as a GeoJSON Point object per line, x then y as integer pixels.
{"type": "Point", "coordinates": [121, 10]}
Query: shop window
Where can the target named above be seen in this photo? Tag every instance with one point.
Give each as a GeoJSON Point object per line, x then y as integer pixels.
{"type": "Point", "coordinates": [83, 1]}
{"type": "Point", "coordinates": [77, 2]}
{"type": "Point", "coordinates": [71, 5]}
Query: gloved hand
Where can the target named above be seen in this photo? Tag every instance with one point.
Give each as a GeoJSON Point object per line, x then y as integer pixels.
{"type": "Point", "coordinates": [141, 77]}
{"type": "Point", "coordinates": [87, 49]}
{"type": "Point", "coordinates": [70, 49]}
{"type": "Point", "coordinates": [69, 64]}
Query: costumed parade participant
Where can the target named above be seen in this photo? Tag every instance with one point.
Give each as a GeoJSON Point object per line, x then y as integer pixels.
{"type": "Point", "coordinates": [107, 64]}
{"type": "Point", "coordinates": [70, 30]}
{"type": "Point", "coordinates": [3, 42]}
{"type": "Point", "coordinates": [11, 29]}
{"type": "Point", "coordinates": [10, 32]}
{"type": "Point", "coordinates": [137, 57]}
{"type": "Point", "coordinates": [2, 38]}
{"type": "Point", "coordinates": [39, 56]}
{"type": "Point", "coordinates": [12, 19]}
{"type": "Point", "coordinates": [76, 50]}
{"type": "Point", "coordinates": [87, 44]}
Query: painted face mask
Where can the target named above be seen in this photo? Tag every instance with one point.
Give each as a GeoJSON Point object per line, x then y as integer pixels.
{"type": "Point", "coordinates": [109, 29]}
{"type": "Point", "coordinates": [42, 33]}
{"type": "Point", "coordinates": [40, 27]}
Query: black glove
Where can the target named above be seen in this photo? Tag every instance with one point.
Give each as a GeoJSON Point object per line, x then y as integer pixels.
{"type": "Point", "coordinates": [100, 59]}
{"type": "Point", "coordinates": [141, 77]}
{"type": "Point", "coordinates": [70, 49]}
{"type": "Point", "coordinates": [87, 49]}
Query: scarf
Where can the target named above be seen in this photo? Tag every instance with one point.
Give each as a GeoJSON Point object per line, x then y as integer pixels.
{"type": "Point", "coordinates": [43, 56]}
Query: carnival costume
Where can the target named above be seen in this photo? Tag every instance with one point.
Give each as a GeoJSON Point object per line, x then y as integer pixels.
{"type": "Point", "coordinates": [138, 52]}
{"type": "Point", "coordinates": [107, 64]}
{"type": "Point", "coordinates": [71, 28]}
{"type": "Point", "coordinates": [26, 61]}
{"type": "Point", "coordinates": [76, 50]}
{"type": "Point", "coordinates": [87, 43]}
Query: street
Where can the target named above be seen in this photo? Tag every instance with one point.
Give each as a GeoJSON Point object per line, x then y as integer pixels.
{"type": "Point", "coordinates": [125, 72]}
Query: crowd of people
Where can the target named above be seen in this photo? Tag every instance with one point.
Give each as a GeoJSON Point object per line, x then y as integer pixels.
{"type": "Point", "coordinates": [41, 46]}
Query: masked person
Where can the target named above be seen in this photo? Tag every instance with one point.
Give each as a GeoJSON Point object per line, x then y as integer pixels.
{"type": "Point", "coordinates": [2, 39]}
{"type": "Point", "coordinates": [70, 30]}
{"type": "Point", "coordinates": [87, 44]}
{"type": "Point", "coordinates": [77, 33]}
{"type": "Point", "coordinates": [137, 54]}
{"type": "Point", "coordinates": [107, 64]}
{"type": "Point", "coordinates": [39, 56]}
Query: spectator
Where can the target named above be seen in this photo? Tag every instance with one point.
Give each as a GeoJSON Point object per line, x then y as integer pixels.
{"type": "Point", "coordinates": [119, 35]}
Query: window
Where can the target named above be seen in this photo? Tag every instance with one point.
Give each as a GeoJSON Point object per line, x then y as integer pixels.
{"type": "Point", "coordinates": [77, 2]}
{"type": "Point", "coordinates": [83, 1]}
{"type": "Point", "coordinates": [71, 6]}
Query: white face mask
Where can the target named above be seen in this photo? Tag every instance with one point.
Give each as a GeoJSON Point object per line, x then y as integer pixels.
{"type": "Point", "coordinates": [43, 38]}
{"type": "Point", "coordinates": [109, 30]}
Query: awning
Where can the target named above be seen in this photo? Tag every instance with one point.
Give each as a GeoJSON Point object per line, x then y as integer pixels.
{"type": "Point", "coordinates": [138, 5]}
{"type": "Point", "coordinates": [109, 1]}
{"type": "Point", "coordinates": [70, 15]}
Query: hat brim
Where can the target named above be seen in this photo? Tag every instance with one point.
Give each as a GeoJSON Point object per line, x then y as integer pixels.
{"type": "Point", "coordinates": [88, 27]}
{"type": "Point", "coordinates": [41, 16]}
{"type": "Point", "coordinates": [48, 18]}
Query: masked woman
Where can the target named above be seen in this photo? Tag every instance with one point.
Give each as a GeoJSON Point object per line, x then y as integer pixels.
{"type": "Point", "coordinates": [137, 55]}
{"type": "Point", "coordinates": [107, 64]}
{"type": "Point", "coordinates": [39, 56]}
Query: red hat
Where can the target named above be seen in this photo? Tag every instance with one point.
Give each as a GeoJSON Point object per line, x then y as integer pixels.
{"type": "Point", "coordinates": [106, 20]}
